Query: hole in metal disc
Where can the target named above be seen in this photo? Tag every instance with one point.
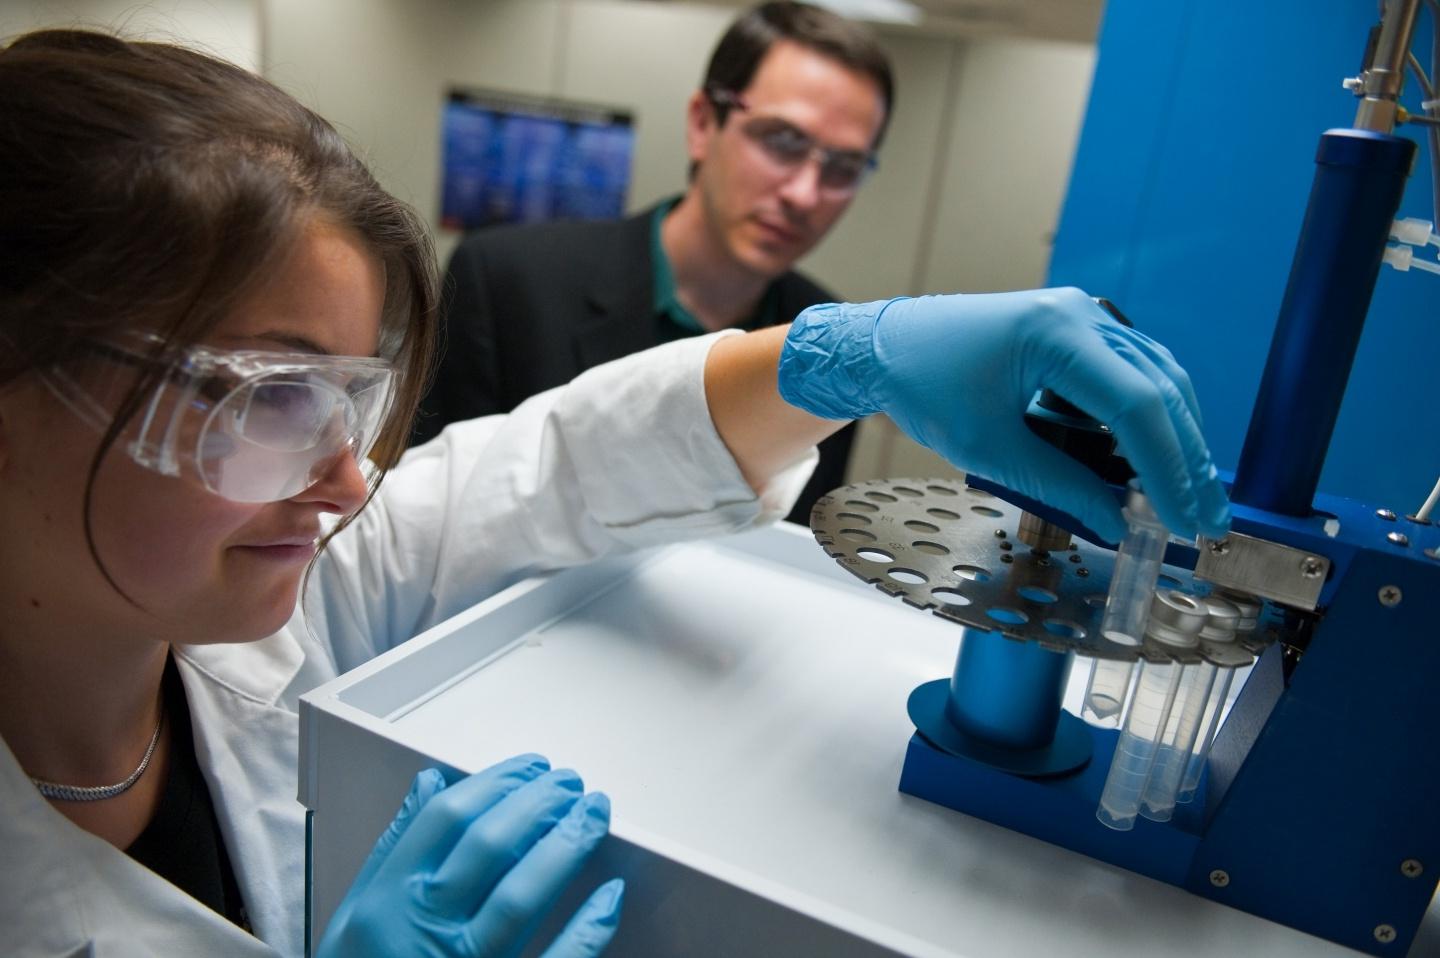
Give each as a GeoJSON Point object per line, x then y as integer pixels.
{"type": "Point", "coordinates": [915, 525]}
{"type": "Point", "coordinates": [862, 505]}
{"type": "Point", "coordinates": [854, 517]}
{"type": "Point", "coordinates": [949, 597]}
{"type": "Point", "coordinates": [875, 555]}
{"type": "Point", "coordinates": [1181, 598]}
{"type": "Point", "coordinates": [881, 496]}
{"type": "Point", "coordinates": [1169, 581]}
{"type": "Point", "coordinates": [942, 514]}
{"type": "Point", "coordinates": [930, 548]}
{"type": "Point", "coordinates": [978, 493]}
{"type": "Point", "coordinates": [986, 511]}
{"type": "Point", "coordinates": [1065, 629]}
{"type": "Point", "coordinates": [1008, 616]}
{"type": "Point", "coordinates": [972, 572]}
{"type": "Point", "coordinates": [909, 576]}
{"type": "Point", "coordinates": [907, 491]}
{"type": "Point", "coordinates": [857, 535]}
{"type": "Point", "coordinates": [942, 490]}
{"type": "Point", "coordinates": [1036, 594]}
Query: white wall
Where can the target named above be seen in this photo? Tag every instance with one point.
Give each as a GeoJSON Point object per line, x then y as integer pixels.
{"type": "Point", "coordinates": [225, 28]}
{"type": "Point", "coordinates": [966, 198]}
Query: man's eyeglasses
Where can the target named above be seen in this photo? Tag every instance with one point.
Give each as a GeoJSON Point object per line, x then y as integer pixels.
{"type": "Point", "coordinates": [787, 147]}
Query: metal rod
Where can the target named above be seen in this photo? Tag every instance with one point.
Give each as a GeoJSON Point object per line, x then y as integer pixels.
{"type": "Point", "coordinates": [1385, 75]}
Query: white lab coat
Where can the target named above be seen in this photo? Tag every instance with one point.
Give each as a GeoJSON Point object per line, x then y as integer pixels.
{"type": "Point", "coordinates": [624, 457]}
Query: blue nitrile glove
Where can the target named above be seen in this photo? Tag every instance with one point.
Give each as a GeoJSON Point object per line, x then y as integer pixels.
{"type": "Point", "coordinates": [957, 373]}
{"type": "Point", "coordinates": [470, 869]}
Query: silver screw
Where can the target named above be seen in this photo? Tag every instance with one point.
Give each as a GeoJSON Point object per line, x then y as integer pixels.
{"type": "Point", "coordinates": [1411, 868]}
{"type": "Point", "coordinates": [1310, 567]}
{"type": "Point", "coordinates": [1385, 934]}
{"type": "Point", "coordinates": [999, 533]}
{"type": "Point", "coordinates": [1220, 547]}
{"type": "Point", "coordinates": [1399, 538]}
{"type": "Point", "coordinates": [1219, 878]}
{"type": "Point", "coordinates": [1083, 573]}
{"type": "Point", "coordinates": [1075, 557]}
{"type": "Point", "coordinates": [1387, 514]}
{"type": "Point", "coordinates": [1390, 595]}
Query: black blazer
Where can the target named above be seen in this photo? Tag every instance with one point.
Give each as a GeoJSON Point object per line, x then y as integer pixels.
{"type": "Point", "coordinates": [527, 308]}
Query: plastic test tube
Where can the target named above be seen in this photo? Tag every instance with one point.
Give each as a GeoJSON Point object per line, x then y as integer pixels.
{"type": "Point", "coordinates": [1132, 585]}
{"type": "Point", "coordinates": [1175, 620]}
{"type": "Point", "coordinates": [1137, 568]}
{"type": "Point", "coordinates": [1247, 612]}
{"type": "Point", "coordinates": [1105, 694]}
{"type": "Point", "coordinates": [1187, 717]}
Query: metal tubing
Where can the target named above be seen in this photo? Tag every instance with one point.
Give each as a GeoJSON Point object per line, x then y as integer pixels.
{"type": "Point", "coordinates": [1007, 693]}
{"type": "Point", "coordinates": [1385, 75]}
{"type": "Point", "coordinates": [1359, 180]}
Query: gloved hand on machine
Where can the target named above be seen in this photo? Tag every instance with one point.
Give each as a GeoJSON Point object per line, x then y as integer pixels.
{"type": "Point", "coordinates": [957, 374]}
{"type": "Point", "coordinates": [471, 868]}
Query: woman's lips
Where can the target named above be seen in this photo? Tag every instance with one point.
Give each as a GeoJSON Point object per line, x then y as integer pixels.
{"type": "Point", "coordinates": [288, 549]}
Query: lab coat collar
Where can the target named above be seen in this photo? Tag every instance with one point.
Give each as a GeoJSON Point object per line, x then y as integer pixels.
{"type": "Point", "coordinates": [246, 741]}
{"type": "Point", "coordinates": [64, 891]}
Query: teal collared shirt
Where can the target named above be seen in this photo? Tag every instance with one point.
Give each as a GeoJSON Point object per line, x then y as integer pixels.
{"type": "Point", "coordinates": [673, 320]}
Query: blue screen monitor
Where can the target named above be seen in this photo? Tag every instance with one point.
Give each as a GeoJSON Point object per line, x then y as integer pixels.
{"type": "Point", "coordinates": [516, 159]}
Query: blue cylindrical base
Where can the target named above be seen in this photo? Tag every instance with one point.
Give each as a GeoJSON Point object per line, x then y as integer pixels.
{"type": "Point", "coordinates": [1359, 180]}
{"type": "Point", "coordinates": [1007, 693]}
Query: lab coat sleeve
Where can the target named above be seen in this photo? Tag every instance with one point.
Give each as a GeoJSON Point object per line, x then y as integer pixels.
{"type": "Point", "coordinates": [625, 456]}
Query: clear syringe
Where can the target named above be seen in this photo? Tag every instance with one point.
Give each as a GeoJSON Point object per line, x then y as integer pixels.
{"type": "Point", "coordinates": [1175, 619]}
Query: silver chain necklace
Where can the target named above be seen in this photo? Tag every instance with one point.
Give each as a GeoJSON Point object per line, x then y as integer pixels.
{"type": "Point", "coordinates": [94, 793]}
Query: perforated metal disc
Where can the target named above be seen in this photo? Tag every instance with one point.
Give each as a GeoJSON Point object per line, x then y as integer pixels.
{"type": "Point", "coordinates": [942, 546]}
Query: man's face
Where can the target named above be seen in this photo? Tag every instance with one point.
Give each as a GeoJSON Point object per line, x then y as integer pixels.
{"type": "Point", "coordinates": [764, 214]}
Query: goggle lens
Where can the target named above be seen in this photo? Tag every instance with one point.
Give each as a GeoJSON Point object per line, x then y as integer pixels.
{"type": "Point", "coordinates": [788, 147]}
{"type": "Point", "coordinates": [273, 438]}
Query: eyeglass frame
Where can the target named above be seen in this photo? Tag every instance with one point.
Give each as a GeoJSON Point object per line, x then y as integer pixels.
{"type": "Point", "coordinates": [723, 100]}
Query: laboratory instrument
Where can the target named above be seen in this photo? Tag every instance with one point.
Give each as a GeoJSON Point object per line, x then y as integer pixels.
{"type": "Point", "coordinates": [1309, 800]}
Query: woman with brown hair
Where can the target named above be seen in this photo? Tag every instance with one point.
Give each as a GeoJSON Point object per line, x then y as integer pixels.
{"type": "Point", "coordinates": [210, 314]}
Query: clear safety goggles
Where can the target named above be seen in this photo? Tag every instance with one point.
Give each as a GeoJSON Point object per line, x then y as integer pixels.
{"type": "Point", "coordinates": [786, 147]}
{"type": "Point", "coordinates": [248, 425]}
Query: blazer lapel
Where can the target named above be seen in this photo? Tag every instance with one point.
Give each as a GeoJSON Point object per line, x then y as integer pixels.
{"type": "Point", "coordinates": [620, 298]}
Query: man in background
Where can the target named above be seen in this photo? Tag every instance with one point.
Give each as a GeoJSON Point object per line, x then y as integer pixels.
{"type": "Point", "coordinates": [780, 136]}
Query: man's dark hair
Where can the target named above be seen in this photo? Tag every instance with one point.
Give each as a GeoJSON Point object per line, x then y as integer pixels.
{"type": "Point", "coordinates": [744, 45]}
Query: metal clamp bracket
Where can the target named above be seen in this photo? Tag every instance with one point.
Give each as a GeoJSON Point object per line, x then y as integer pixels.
{"type": "Point", "coordinates": [1283, 574]}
